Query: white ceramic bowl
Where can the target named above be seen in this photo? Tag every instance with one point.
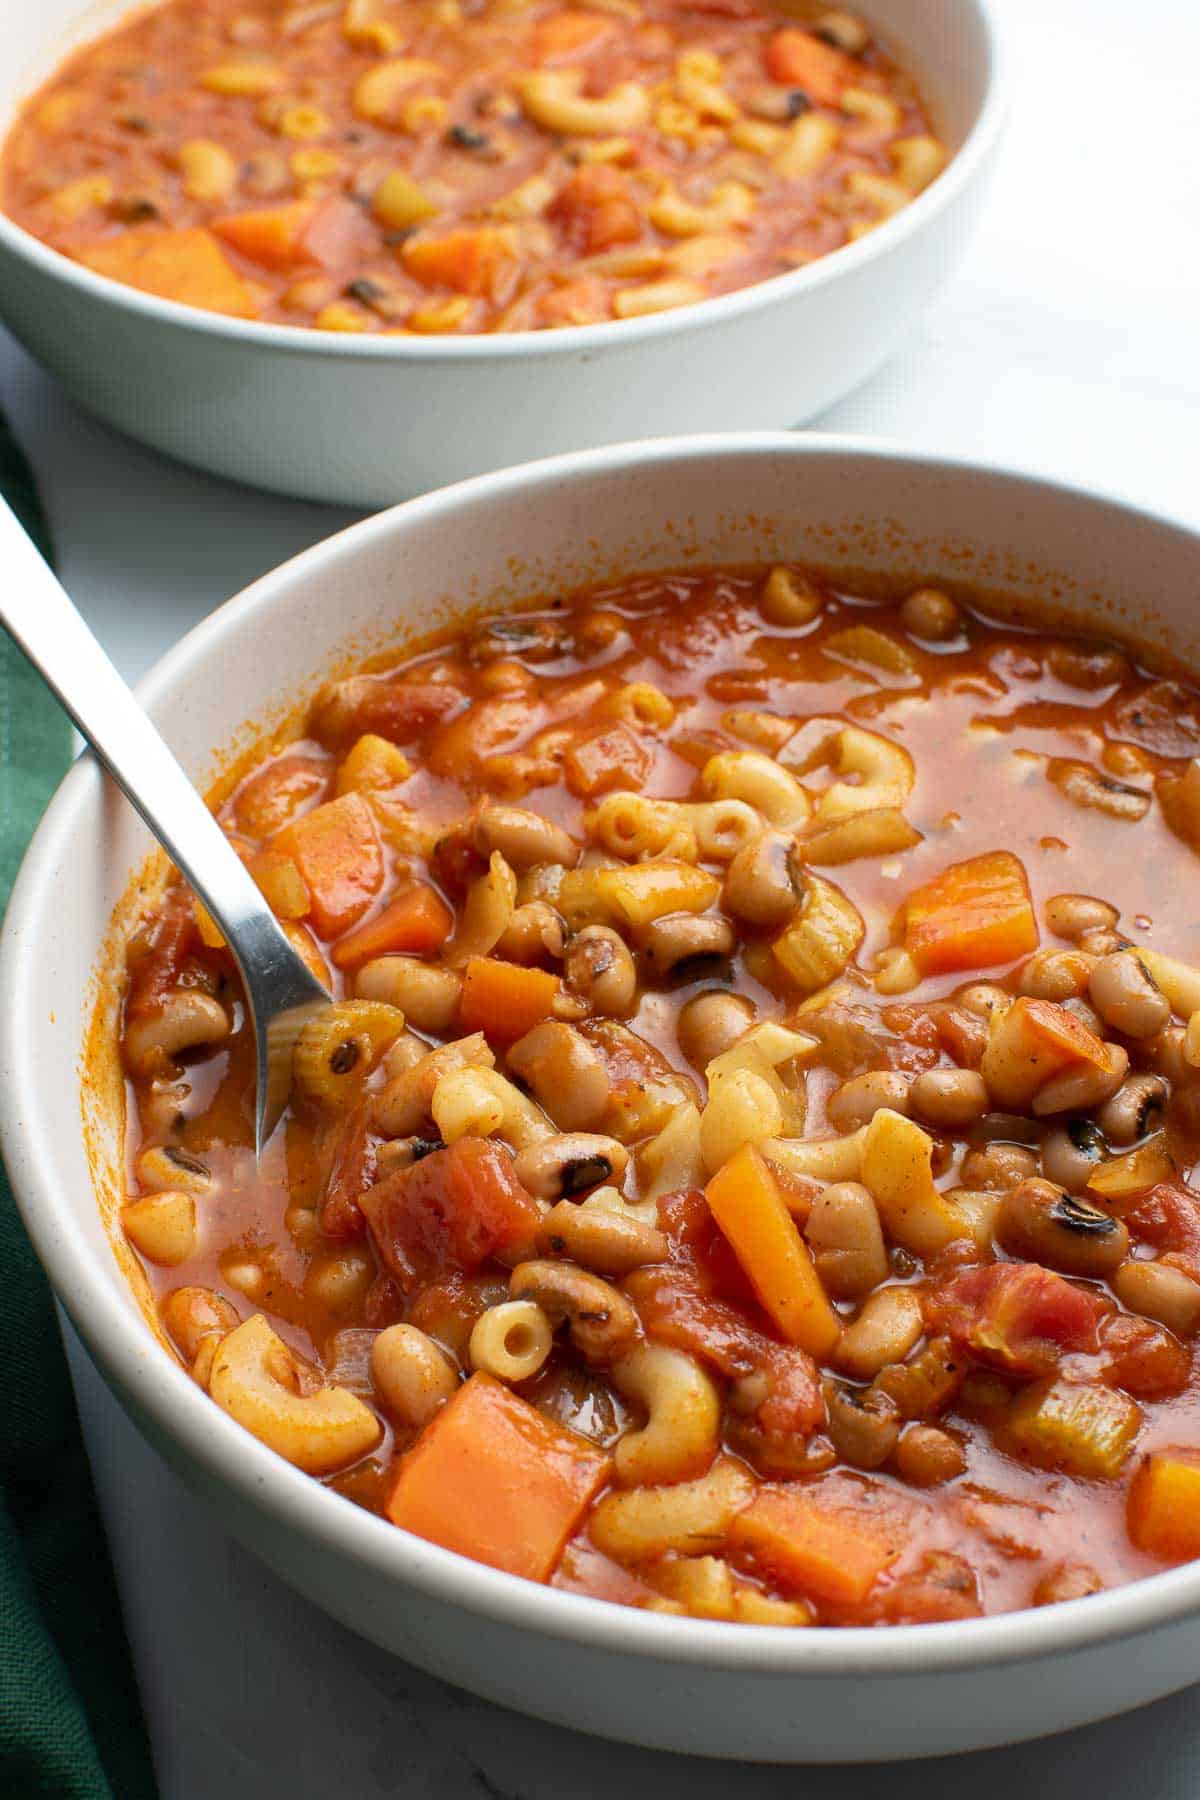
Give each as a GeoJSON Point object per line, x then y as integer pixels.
{"type": "Point", "coordinates": [677, 1683]}
{"type": "Point", "coordinates": [371, 420]}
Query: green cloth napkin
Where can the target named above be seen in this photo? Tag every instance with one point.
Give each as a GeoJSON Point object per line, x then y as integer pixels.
{"type": "Point", "coordinates": [70, 1723]}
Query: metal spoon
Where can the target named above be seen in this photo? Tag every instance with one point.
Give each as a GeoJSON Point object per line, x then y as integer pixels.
{"type": "Point", "coordinates": [281, 991]}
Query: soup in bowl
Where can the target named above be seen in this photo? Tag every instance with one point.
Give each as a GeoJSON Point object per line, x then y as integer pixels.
{"type": "Point", "coordinates": [745, 1174]}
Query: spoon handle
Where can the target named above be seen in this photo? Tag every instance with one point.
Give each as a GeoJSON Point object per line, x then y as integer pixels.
{"type": "Point", "coordinates": [42, 619]}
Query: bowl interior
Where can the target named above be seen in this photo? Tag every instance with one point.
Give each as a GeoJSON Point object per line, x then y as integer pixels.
{"type": "Point", "coordinates": [845, 506]}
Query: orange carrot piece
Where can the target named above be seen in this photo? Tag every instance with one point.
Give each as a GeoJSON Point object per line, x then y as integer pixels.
{"type": "Point", "coordinates": [745, 1200]}
{"type": "Point", "coordinates": [797, 59]}
{"type": "Point", "coordinates": [819, 1550]}
{"type": "Point", "coordinates": [187, 265]}
{"type": "Point", "coordinates": [562, 35]}
{"type": "Point", "coordinates": [414, 923]}
{"type": "Point", "coordinates": [973, 914]}
{"type": "Point", "coordinates": [1164, 1505]}
{"type": "Point", "coordinates": [271, 235]}
{"type": "Point", "coordinates": [473, 260]}
{"type": "Point", "coordinates": [504, 1000]}
{"type": "Point", "coordinates": [337, 851]}
{"type": "Point", "coordinates": [1066, 1038]}
{"type": "Point", "coordinates": [494, 1479]}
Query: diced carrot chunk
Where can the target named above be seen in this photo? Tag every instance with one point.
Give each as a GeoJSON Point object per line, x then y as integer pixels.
{"type": "Point", "coordinates": [1066, 1037]}
{"type": "Point", "coordinates": [415, 923]}
{"type": "Point", "coordinates": [1018, 1316]}
{"type": "Point", "coordinates": [1163, 1510]}
{"type": "Point", "coordinates": [504, 1000]}
{"type": "Point", "coordinates": [336, 848]}
{"type": "Point", "coordinates": [563, 35]}
{"type": "Point", "coordinates": [822, 1552]}
{"type": "Point", "coordinates": [186, 265]}
{"type": "Point", "coordinates": [271, 235]}
{"type": "Point", "coordinates": [475, 260]}
{"type": "Point", "coordinates": [745, 1201]}
{"type": "Point", "coordinates": [609, 760]}
{"type": "Point", "coordinates": [798, 59]}
{"type": "Point", "coordinates": [494, 1479]}
{"type": "Point", "coordinates": [972, 915]}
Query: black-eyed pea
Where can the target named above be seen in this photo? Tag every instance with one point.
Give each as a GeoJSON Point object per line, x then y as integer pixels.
{"type": "Point", "coordinates": [167, 1166]}
{"type": "Point", "coordinates": [863, 1424]}
{"type": "Point", "coordinates": [858, 1100]}
{"type": "Point", "coordinates": [412, 1375]}
{"type": "Point", "coordinates": [608, 1243]}
{"type": "Point", "coordinates": [192, 1314]}
{"type": "Point", "coordinates": [927, 1456]}
{"type": "Point", "coordinates": [983, 998]}
{"type": "Point", "coordinates": [948, 1099]}
{"type": "Point", "coordinates": [1042, 1223]}
{"type": "Point", "coordinates": [932, 615]}
{"type": "Point", "coordinates": [1134, 1109]}
{"type": "Point", "coordinates": [1158, 1291]}
{"type": "Point", "coordinates": [711, 1023]}
{"type": "Point", "coordinates": [764, 884]}
{"type": "Point", "coordinates": [846, 1240]}
{"type": "Point", "coordinates": [1082, 1088]}
{"type": "Point", "coordinates": [998, 1167]}
{"type": "Point", "coordinates": [1071, 915]}
{"type": "Point", "coordinates": [1126, 996]}
{"type": "Point", "coordinates": [339, 1281]}
{"type": "Point", "coordinates": [1072, 1152]}
{"type": "Point", "coordinates": [1055, 974]}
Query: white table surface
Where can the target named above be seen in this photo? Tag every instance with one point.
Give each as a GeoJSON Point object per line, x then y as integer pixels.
{"type": "Point", "coordinates": [1067, 342]}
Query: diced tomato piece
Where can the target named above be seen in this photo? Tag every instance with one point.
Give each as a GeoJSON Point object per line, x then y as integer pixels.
{"type": "Point", "coordinates": [1168, 1217]}
{"type": "Point", "coordinates": [415, 923]}
{"type": "Point", "coordinates": [596, 208]}
{"type": "Point", "coordinates": [942, 1586]}
{"type": "Point", "coordinates": [153, 975]}
{"type": "Point", "coordinates": [1018, 1316]}
{"type": "Point", "coordinates": [607, 761]}
{"type": "Point", "coordinates": [497, 1481]}
{"type": "Point", "coordinates": [272, 795]}
{"type": "Point", "coordinates": [389, 707]}
{"type": "Point", "coordinates": [798, 59]}
{"type": "Point", "coordinates": [452, 1210]}
{"type": "Point", "coordinates": [972, 915]}
{"type": "Point", "coordinates": [675, 1309]}
{"type": "Point", "coordinates": [1144, 1358]}
{"type": "Point", "coordinates": [586, 1570]}
{"type": "Point", "coordinates": [486, 728]}
{"type": "Point", "coordinates": [337, 850]}
{"type": "Point", "coordinates": [351, 1172]}
{"type": "Point", "coordinates": [340, 234]}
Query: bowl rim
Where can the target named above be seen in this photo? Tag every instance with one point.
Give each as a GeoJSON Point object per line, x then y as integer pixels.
{"type": "Point", "coordinates": [163, 1390]}
{"type": "Point", "coordinates": [963, 168]}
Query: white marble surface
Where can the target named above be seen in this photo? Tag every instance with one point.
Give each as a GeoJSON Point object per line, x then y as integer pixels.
{"type": "Point", "coordinates": [1068, 342]}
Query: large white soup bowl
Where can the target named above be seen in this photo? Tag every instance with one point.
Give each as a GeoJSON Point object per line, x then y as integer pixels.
{"type": "Point", "coordinates": [725, 1690]}
{"type": "Point", "coordinates": [370, 420]}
